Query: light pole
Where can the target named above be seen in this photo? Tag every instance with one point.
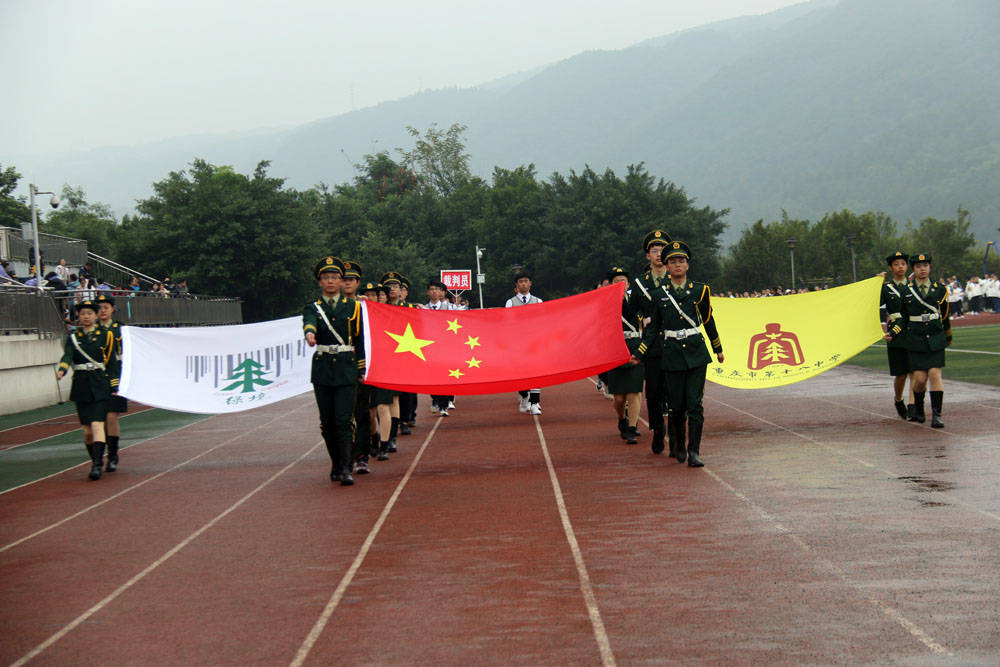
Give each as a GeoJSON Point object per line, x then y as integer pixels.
{"type": "Point", "coordinates": [480, 277]}
{"type": "Point", "coordinates": [791, 251]}
{"type": "Point", "coordinates": [851, 238]}
{"type": "Point", "coordinates": [54, 202]}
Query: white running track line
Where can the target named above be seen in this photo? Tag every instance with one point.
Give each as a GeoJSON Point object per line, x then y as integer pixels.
{"type": "Point", "coordinates": [600, 634]}
{"type": "Point", "coordinates": [82, 618]}
{"type": "Point", "coordinates": [24, 444]}
{"type": "Point", "coordinates": [348, 577]}
{"type": "Point", "coordinates": [135, 486]}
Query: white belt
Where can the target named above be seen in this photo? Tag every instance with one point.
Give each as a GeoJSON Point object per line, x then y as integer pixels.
{"type": "Point", "coordinates": [88, 367]}
{"type": "Point", "coordinates": [334, 349]}
{"type": "Point", "coordinates": [633, 334]}
{"type": "Point", "coordinates": [926, 317]}
{"type": "Point", "coordinates": [680, 334]}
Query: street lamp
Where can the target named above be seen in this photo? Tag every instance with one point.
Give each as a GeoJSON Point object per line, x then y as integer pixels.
{"type": "Point", "coordinates": [791, 251]}
{"type": "Point", "coordinates": [851, 238]}
{"type": "Point", "coordinates": [54, 203]}
{"type": "Point", "coordinates": [480, 277]}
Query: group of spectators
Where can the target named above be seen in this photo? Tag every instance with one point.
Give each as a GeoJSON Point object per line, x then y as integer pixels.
{"type": "Point", "coordinates": [86, 282]}
{"type": "Point", "coordinates": [978, 295]}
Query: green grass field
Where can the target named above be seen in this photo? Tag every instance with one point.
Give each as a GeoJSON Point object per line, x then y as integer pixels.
{"type": "Point", "coordinates": [974, 355]}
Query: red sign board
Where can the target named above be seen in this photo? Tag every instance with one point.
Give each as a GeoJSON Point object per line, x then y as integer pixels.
{"type": "Point", "coordinates": [457, 280]}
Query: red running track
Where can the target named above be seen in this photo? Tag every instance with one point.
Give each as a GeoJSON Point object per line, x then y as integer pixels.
{"type": "Point", "coordinates": [823, 530]}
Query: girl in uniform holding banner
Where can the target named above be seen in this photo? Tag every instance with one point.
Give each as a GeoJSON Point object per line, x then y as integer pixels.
{"type": "Point", "coordinates": [625, 381]}
{"type": "Point", "coordinates": [90, 350]}
{"type": "Point", "coordinates": [927, 334]}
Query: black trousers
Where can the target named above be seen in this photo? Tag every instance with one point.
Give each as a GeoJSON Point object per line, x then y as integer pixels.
{"type": "Point", "coordinates": [685, 391]}
{"type": "Point", "coordinates": [336, 423]}
{"type": "Point", "coordinates": [655, 393]}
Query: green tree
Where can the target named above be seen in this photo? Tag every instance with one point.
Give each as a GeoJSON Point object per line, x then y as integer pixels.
{"type": "Point", "coordinates": [13, 210]}
{"type": "Point", "coordinates": [79, 219]}
{"type": "Point", "coordinates": [439, 157]}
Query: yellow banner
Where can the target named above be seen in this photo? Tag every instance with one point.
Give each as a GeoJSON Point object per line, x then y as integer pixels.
{"type": "Point", "coordinates": [774, 341]}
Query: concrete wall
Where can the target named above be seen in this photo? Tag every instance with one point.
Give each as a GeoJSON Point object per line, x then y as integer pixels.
{"type": "Point", "coordinates": [28, 367]}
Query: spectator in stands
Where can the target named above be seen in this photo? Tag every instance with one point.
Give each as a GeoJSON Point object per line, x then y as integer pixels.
{"type": "Point", "coordinates": [3, 269]}
{"type": "Point", "coordinates": [62, 271]}
{"type": "Point", "coordinates": [54, 282]}
{"type": "Point", "coordinates": [86, 274]}
{"type": "Point", "coordinates": [73, 282]}
{"type": "Point", "coordinates": [133, 284]}
{"type": "Point", "coordinates": [102, 286]}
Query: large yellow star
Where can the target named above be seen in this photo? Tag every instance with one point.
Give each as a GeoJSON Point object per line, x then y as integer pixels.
{"type": "Point", "coordinates": [457, 374]}
{"type": "Point", "coordinates": [407, 342]}
{"type": "Point", "coordinates": [454, 326]}
{"type": "Point", "coordinates": [473, 342]}
{"type": "Point", "coordinates": [474, 363]}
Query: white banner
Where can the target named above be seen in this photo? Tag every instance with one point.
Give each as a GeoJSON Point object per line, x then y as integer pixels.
{"type": "Point", "coordinates": [212, 370]}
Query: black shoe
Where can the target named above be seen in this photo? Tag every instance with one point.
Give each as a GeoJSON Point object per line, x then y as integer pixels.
{"type": "Point", "coordinates": [936, 420]}
{"type": "Point", "coordinates": [95, 470]}
{"type": "Point", "coordinates": [631, 435]}
{"type": "Point", "coordinates": [911, 413]}
{"type": "Point", "coordinates": [404, 429]}
{"type": "Point", "coordinates": [694, 461]}
{"type": "Point", "coordinates": [901, 409]}
{"type": "Point", "coordinates": [411, 423]}
{"type": "Point", "coordinates": [682, 456]}
{"type": "Point", "coordinates": [392, 446]}
{"type": "Point", "coordinates": [334, 476]}
{"type": "Point", "coordinates": [623, 428]}
{"type": "Point", "coordinates": [921, 417]}
{"type": "Point", "coordinates": [111, 465]}
{"type": "Point", "coordinates": [382, 456]}
{"type": "Point", "coordinates": [346, 480]}
{"type": "Point", "coordinates": [657, 444]}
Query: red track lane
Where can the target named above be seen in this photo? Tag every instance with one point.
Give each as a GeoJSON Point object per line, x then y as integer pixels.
{"type": "Point", "coordinates": [823, 530]}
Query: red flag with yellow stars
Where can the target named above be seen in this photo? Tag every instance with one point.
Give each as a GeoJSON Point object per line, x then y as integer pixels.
{"type": "Point", "coordinates": [497, 349]}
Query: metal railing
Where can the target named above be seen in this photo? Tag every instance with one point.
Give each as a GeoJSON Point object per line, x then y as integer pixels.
{"type": "Point", "coordinates": [14, 246]}
{"type": "Point", "coordinates": [25, 310]}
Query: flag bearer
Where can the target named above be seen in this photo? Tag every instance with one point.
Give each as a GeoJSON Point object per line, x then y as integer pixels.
{"type": "Point", "coordinates": [625, 381]}
{"type": "Point", "coordinates": [90, 350]}
{"type": "Point", "coordinates": [362, 421]}
{"type": "Point", "coordinates": [531, 399]}
{"type": "Point", "coordinates": [680, 307]}
{"type": "Point", "coordinates": [407, 400]}
{"type": "Point", "coordinates": [373, 292]}
{"type": "Point", "coordinates": [927, 334]}
{"type": "Point", "coordinates": [893, 323]}
{"type": "Point", "coordinates": [118, 404]}
{"type": "Point", "coordinates": [332, 325]}
{"type": "Point", "coordinates": [389, 413]}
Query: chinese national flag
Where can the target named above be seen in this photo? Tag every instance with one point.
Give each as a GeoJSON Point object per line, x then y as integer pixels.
{"type": "Point", "coordinates": [497, 349]}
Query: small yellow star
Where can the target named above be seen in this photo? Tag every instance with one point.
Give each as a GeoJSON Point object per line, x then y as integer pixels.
{"type": "Point", "coordinates": [454, 326]}
{"type": "Point", "coordinates": [407, 342]}
{"type": "Point", "coordinates": [473, 362]}
{"type": "Point", "coordinates": [473, 342]}
{"type": "Point", "coordinates": [457, 374]}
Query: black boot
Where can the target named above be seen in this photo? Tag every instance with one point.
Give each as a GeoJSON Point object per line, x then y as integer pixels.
{"type": "Point", "coordinates": [392, 435]}
{"type": "Point", "coordinates": [901, 409]}
{"type": "Point", "coordinates": [97, 458]}
{"type": "Point", "coordinates": [694, 445]}
{"type": "Point", "coordinates": [657, 444]}
{"type": "Point", "coordinates": [112, 464]}
{"type": "Point", "coordinates": [911, 413]}
{"type": "Point", "coordinates": [680, 426]}
{"type": "Point", "coordinates": [918, 402]}
{"type": "Point", "coordinates": [937, 401]}
{"type": "Point", "coordinates": [383, 451]}
{"type": "Point", "coordinates": [361, 465]}
{"type": "Point", "coordinates": [672, 437]}
{"type": "Point", "coordinates": [404, 429]}
{"type": "Point", "coordinates": [631, 435]}
{"type": "Point", "coordinates": [346, 464]}
{"type": "Point", "coordinates": [373, 445]}
{"type": "Point", "coordinates": [623, 428]}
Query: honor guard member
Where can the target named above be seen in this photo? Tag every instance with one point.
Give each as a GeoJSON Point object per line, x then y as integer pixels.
{"type": "Point", "coordinates": [372, 291]}
{"type": "Point", "coordinates": [641, 303]}
{"type": "Point", "coordinates": [681, 307]}
{"type": "Point", "coordinates": [332, 325]}
{"type": "Point", "coordinates": [90, 351]}
{"type": "Point", "coordinates": [893, 324]}
{"type": "Point", "coordinates": [118, 404]}
{"type": "Point", "coordinates": [927, 334]}
{"type": "Point", "coordinates": [362, 420]}
{"type": "Point", "coordinates": [388, 401]}
{"type": "Point", "coordinates": [530, 399]}
{"type": "Point", "coordinates": [625, 381]}
{"type": "Point", "coordinates": [407, 400]}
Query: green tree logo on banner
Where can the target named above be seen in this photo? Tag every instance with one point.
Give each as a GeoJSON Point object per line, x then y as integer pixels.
{"type": "Point", "coordinates": [247, 375]}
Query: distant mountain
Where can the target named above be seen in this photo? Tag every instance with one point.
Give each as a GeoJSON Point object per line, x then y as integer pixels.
{"type": "Point", "coordinates": [890, 105]}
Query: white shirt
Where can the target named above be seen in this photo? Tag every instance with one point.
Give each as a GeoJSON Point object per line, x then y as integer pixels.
{"type": "Point", "coordinates": [440, 305]}
{"type": "Point", "coordinates": [522, 299]}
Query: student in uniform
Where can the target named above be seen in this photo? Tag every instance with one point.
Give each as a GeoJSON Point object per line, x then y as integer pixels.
{"type": "Point", "coordinates": [436, 292]}
{"type": "Point", "coordinates": [362, 420]}
{"type": "Point", "coordinates": [117, 405]}
{"type": "Point", "coordinates": [407, 400]}
{"type": "Point", "coordinates": [530, 399]}
{"type": "Point", "coordinates": [625, 382]}
{"type": "Point", "coordinates": [681, 306]}
{"type": "Point", "coordinates": [927, 334]}
{"type": "Point", "coordinates": [332, 325]}
{"type": "Point", "coordinates": [90, 350]}
{"type": "Point", "coordinates": [893, 324]}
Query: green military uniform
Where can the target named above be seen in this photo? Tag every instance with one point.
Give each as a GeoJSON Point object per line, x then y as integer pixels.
{"type": "Point", "coordinates": [118, 404]}
{"type": "Point", "coordinates": [336, 365]}
{"type": "Point", "coordinates": [890, 313]}
{"type": "Point", "coordinates": [642, 305]}
{"type": "Point", "coordinates": [407, 400]}
{"type": "Point", "coordinates": [628, 378]}
{"type": "Point", "coordinates": [362, 420]}
{"type": "Point", "coordinates": [678, 313]}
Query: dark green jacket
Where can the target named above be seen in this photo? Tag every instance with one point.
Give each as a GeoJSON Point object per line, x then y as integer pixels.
{"type": "Point", "coordinates": [340, 368]}
{"type": "Point", "coordinates": [640, 302]}
{"type": "Point", "coordinates": [90, 386]}
{"type": "Point", "coordinates": [631, 322]}
{"type": "Point", "coordinates": [891, 310]}
{"type": "Point", "coordinates": [928, 329]}
{"type": "Point", "coordinates": [683, 353]}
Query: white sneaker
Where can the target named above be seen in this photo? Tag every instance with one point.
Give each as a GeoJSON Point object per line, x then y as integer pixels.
{"type": "Point", "coordinates": [444, 413]}
{"type": "Point", "coordinates": [434, 409]}
{"type": "Point", "coordinates": [523, 407]}
{"type": "Point", "coordinates": [535, 409]}
{"type": "Point", "coordinates": [451, 405]}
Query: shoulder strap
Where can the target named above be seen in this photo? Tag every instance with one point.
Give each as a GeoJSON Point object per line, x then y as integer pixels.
{"type": "Point", "coordinates": [694, 325]}
{"type": "Point", "coordinates": [893, 289]}
{"type": "Point", "coordinates": [86, 356]}
{"type": "Point", "coordinates": [638, 281]}
{"type": "Point", "coordinates": [916, 296]}
{"type": "Point", "coordinates": [629, 324]}
{"type": "Point", "coordinates": [326, 321]}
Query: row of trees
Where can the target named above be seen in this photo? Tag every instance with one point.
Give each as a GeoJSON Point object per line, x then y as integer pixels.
{"type": "Point", "coordinates": [247, 235]}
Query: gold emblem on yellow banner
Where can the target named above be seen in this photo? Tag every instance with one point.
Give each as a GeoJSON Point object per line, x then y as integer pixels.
{"type": "Point", "coordinates": [774, 341]}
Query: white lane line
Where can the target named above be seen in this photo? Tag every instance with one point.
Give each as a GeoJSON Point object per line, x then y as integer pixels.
{"type": "Point", "coordinates": [25, 444]}
{"type": "Point", "coordinates": [836, 571]}
{"type": "Point", "coordinates": [40, 421]}
{"type": "Point", "coordinates": [142, 483]}
{"type": "Point", "coordinates": [600, 634]}
{"type": "Point", "coordinates": [82, 618]}
{"type": "Point", "coordinates": [348, 577]}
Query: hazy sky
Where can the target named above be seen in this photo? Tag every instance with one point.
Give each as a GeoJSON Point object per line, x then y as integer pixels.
{"type": "Point", "coordinates": [85, 73]}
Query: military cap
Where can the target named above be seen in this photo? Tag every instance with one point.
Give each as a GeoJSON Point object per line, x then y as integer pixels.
{"type": "Point", "coordinates": [404, 282]}
{"type": "Point", "coordinates": [522, 274]}
{"type": "Point", "coordinates": [391, 278]}
{"type": "Point", "coordinates": [654, 237]}
{"type": "Point", "coordinates": [616, 271]}
{"type": "Point", "coordinates": [352, 269]}
{"type": "Point", "coordinates": [920, 257]}
{"type": "Point", "coordinates": [897, 255]}
{"type": "Point", "coordinates": [675, 249]}
{"type": "Point", "coordinates": [87, 304]}
{"type": "Point", "coordinates": [329, 263]}
{"type": "Point", "coordinates": [104, 298]}
{"type": "Point", "coordinates": [371, 287]}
